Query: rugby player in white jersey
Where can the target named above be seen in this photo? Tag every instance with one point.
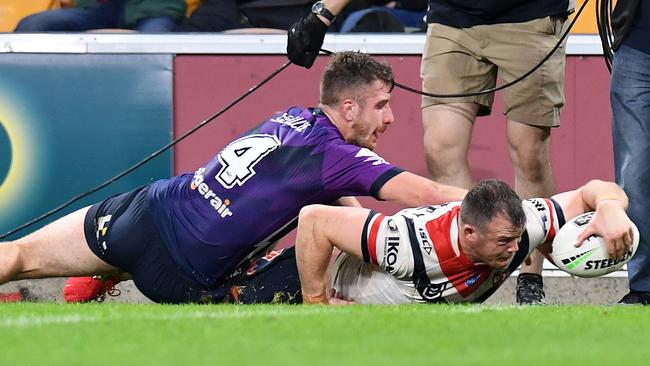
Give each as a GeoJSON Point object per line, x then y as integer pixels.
{"type": "Point", "coordinates": [458, 252]}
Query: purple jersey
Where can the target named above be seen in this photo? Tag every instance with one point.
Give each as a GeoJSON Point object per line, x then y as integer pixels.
{"type": "Point", "coordinates": [249, 195]}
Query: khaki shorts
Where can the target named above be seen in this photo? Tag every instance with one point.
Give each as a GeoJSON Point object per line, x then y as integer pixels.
{"type": "Point", "coordinates": [460, 60]}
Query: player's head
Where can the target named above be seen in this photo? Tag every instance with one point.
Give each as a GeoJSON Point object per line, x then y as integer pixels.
{"type": "Point", "coordinates": [492, 222]}
{"type": "Point", "coordinates": [349, 74]}
{"type": "Point", "coordinates": [358, 88]}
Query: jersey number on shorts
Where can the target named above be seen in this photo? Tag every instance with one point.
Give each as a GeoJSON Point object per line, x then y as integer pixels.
{"type": "Point", "coordinates": [240, 157]}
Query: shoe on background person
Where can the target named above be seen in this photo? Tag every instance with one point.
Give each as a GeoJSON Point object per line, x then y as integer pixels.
{"type": "Point", "coordinates": [635, 298]}
{"type": "Point", "coordinates": [530, 289]}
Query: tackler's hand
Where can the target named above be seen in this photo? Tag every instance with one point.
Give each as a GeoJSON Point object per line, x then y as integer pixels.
{"type": "Point", "coordinates": [305, 40]}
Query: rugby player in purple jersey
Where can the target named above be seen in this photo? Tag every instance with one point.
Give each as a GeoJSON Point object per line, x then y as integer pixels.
{"type": "Point", "coordinates": [191, 238]}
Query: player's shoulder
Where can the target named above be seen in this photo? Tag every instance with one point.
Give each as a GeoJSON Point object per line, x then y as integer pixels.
{"type": "Point", "coordinates": [294, 119]}
{"type": "Point", "coordinates": [446, 209]}
{"type": "Point", "coordinates": [433, 212]}
{"type": "Point", "coordinates": [544, 217]}
{"type": "Point", "coordinates": [307, 124]}
{"type": "Point", "coordinates": [541, 207]}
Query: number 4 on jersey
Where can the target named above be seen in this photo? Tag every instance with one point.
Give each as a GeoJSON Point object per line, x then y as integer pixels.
{"type": "Point", "coordinates": [240, 157]}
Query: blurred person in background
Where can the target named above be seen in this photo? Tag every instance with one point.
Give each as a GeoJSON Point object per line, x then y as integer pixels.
{"type": "Point", "coordinates": [255, 15]}
{"type": "Point", "coordinates": [630, 99]}
{"type": "Point", "coordinates": [383, 16]}
{"type": "Point", "coordinates": [149, 16]}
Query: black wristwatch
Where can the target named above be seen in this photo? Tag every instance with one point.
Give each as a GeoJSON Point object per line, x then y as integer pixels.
{"type": "Point", "coordinates": [319, 9]}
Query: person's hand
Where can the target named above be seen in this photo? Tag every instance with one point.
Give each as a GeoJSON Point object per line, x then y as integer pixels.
{"type": "Point", "coordinates": [337, 299]}
{"type": "Point", "coordinates": [321, 299]}
{"type": "Point", "coordinates": [305, 40]}
{"type": "Point", "coordinates": [611, 223]}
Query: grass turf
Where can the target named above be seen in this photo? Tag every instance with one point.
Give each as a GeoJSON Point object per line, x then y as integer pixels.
{"type": "Point", "coordinates": [124, 334]}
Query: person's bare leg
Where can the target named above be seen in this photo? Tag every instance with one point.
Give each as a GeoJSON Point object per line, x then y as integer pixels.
{"type": "Point", "coordinates": [529, 148]}
{"type": "Point", "coordinates": [447, 137]}
{"type": "Point", "coordinates": [321, 229]}
{"type": "Point", "coordinates": [58, 249]}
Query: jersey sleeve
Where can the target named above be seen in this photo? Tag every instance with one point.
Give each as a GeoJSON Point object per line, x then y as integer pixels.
{"type": "Point", "coordinates": [544, 217]}
{"type": "Point", "coordinates": [385, 243]}
{"type": "Point", "coordinates": [355, 171]}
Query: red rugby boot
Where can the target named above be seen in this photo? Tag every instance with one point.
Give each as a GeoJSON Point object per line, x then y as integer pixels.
{"type": "Point", "coordinates": [85, 289]}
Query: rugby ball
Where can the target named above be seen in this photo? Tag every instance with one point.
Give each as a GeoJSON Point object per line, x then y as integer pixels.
{"type": "Point", "coordinates": [590, 259]}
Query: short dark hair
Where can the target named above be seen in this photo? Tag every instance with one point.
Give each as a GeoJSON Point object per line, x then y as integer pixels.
{"type": "Point", "coordinates": [348, 72]}
{"type": "Point", "coordinates": [489, 198]}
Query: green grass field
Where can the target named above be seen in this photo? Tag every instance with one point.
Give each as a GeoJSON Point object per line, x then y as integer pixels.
{"type": "Point", "coordinates": [124, 334]}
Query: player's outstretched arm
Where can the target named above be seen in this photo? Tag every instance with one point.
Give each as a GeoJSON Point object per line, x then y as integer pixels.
{"type": "Point", "coordinates": [321, 229]}
{"type": "Point", "coordinates": [412, 190]}
{"type": "Point", "coordinates": [610, 220]}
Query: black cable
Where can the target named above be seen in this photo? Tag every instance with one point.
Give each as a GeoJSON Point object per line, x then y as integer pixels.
{"type": "Point", "coordinates": [604, 10]}
{"type": "Point", "coordinates": [150, 157]}
{"type": "Point", "coordinates": [507, 85]}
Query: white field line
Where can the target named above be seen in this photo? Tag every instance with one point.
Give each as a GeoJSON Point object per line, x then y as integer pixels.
{"type": "Point", "coordinates": [23, 321]}
{"type": "Point", "coordinates": [479, 308]}
{"type": "Point", "coordinates": [38, 320]}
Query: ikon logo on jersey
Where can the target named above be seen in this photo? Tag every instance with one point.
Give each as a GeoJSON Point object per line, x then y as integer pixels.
{"type": "Point", "coordinates": [391, 250]}
{"type": "Point", "coordinates": [199, 185]}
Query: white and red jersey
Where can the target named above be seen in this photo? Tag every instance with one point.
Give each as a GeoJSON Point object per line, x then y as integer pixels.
{"type": "Point", "coordinates": [414, 256]}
